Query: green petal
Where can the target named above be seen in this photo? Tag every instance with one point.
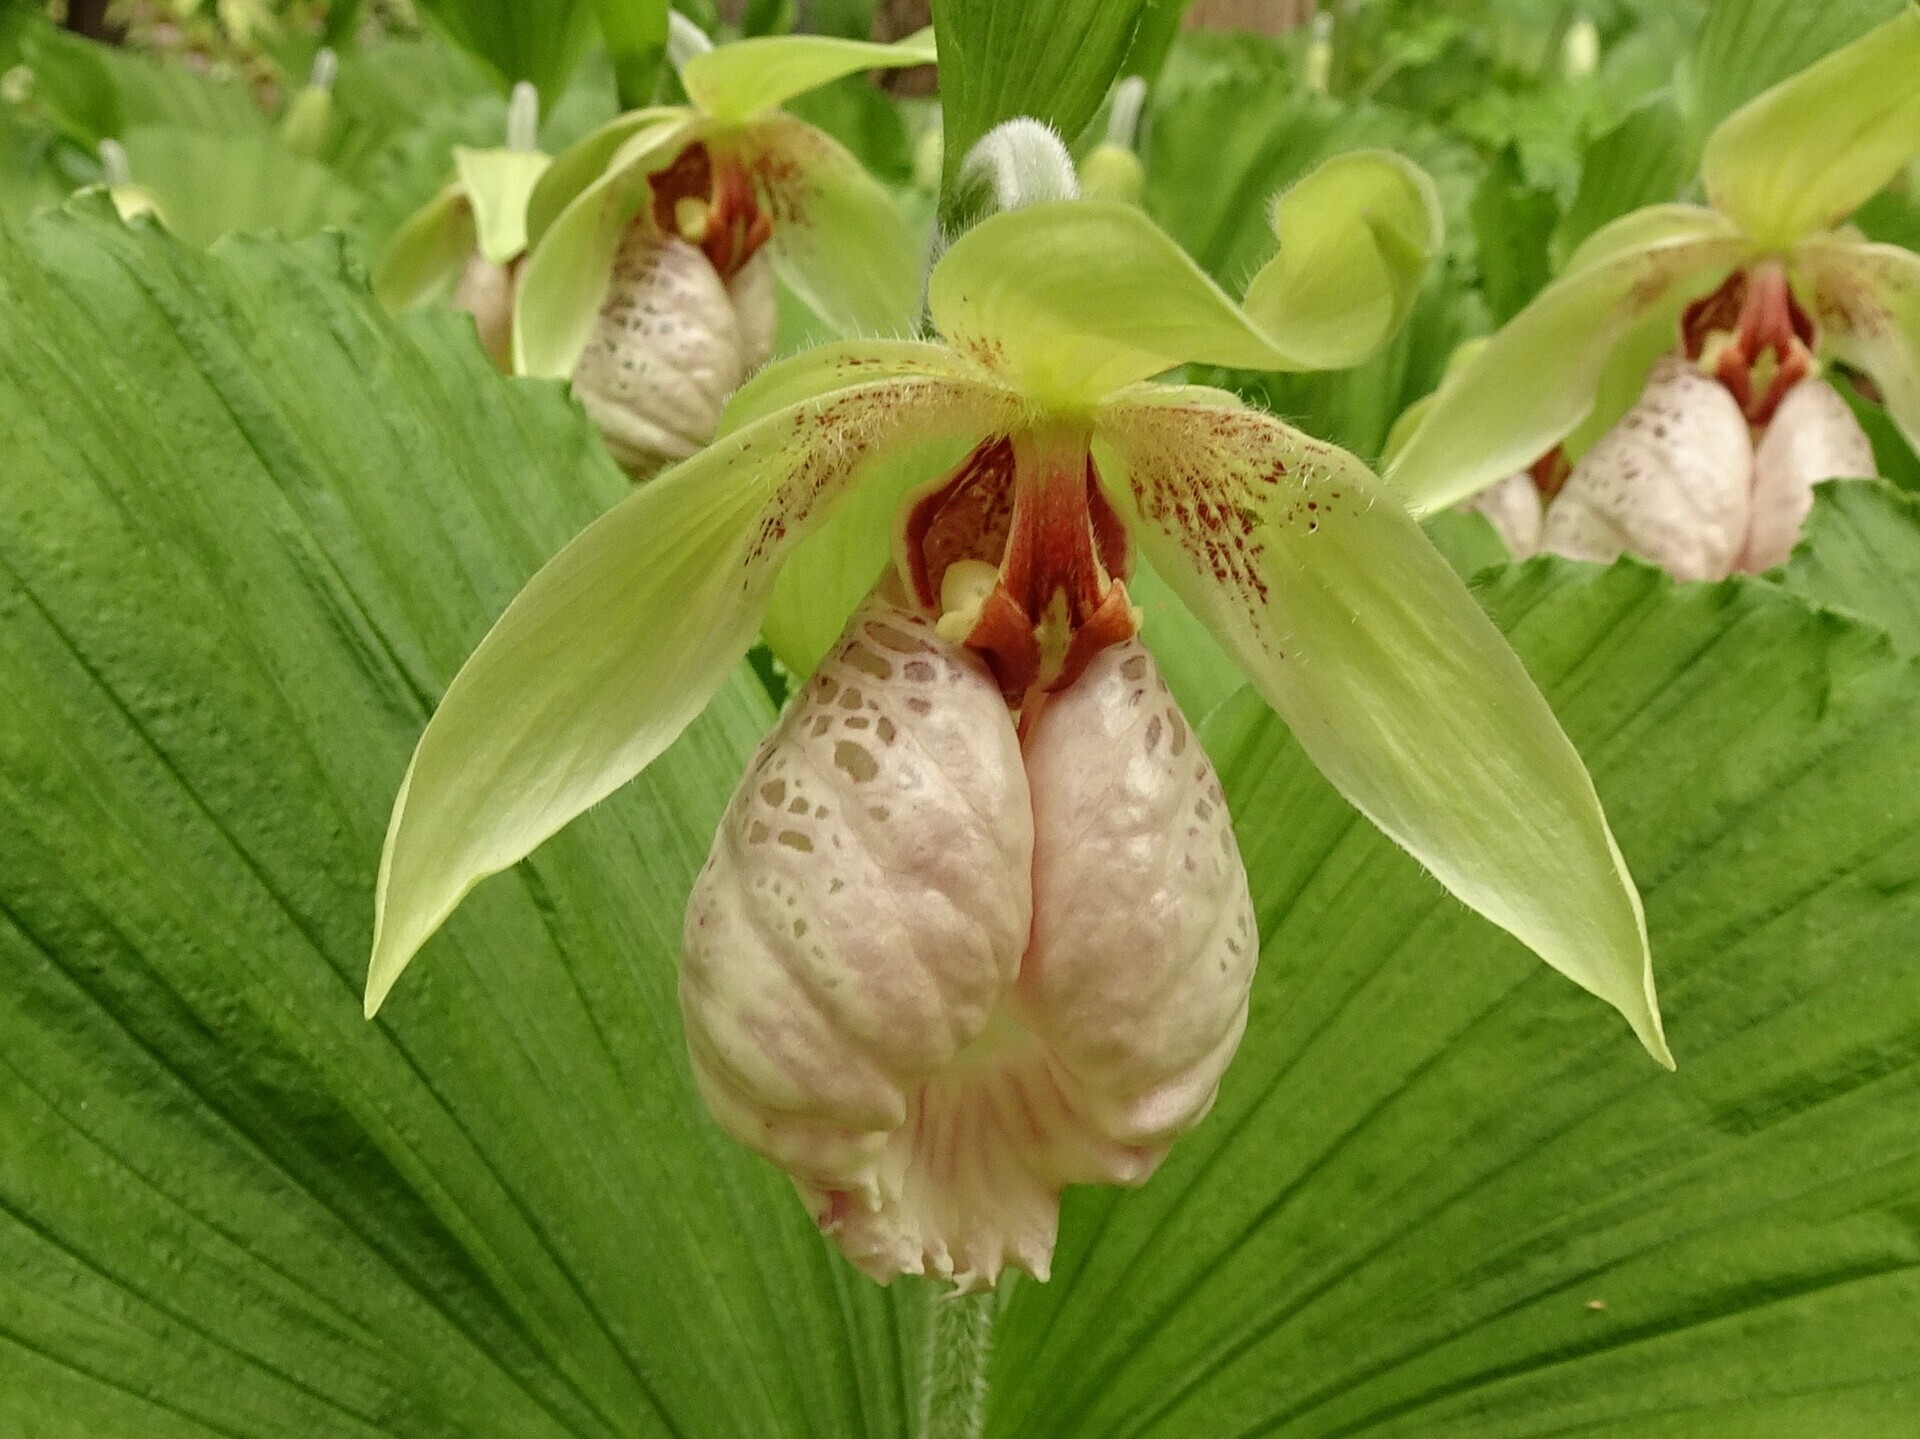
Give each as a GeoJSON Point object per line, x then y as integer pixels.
{"type": "Point", "coordinates": [584, 161]}
{"type": "Point", "coordinates": [1355, 239]}
{"type": "Point", "coordinates": [742, 79]}
{"type": "Point", "coordinates": [566, 275]}
{"type": "Point", "coordinates": [426, 253]}
{"type": "Point", "coordinates": [1535, 380]}
{"type": "Point", "coordinates": [839, 239]}
{"type": "Point", "coordinates": [498, 184]}
{"type": "Point", "coordinates": [833, 568]}
{"type": "Point", "coordinates": [1806, 154]}
{"type": "Point", "coordinates": [1867, 300]}
{"type": "Point", "coordinates": [1074, 300]}
{"type": "Point", "coordinates": [618, 643]}
{"type": "Point", "coordinates": [1398, 687]}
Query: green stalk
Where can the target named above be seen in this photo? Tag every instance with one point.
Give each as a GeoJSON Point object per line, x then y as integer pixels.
{"type": "Point", "coordinates": [953, 1400]}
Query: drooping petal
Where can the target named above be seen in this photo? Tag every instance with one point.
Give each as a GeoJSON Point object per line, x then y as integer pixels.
{"type": "Point", "coordinates": [1073, 300]}
{"type": "Point", "coordinates": [428, 252]}
{"type": "Point", "coordinates": [1809, 152]}
{"type": "Point", "coordinates": [585, 161]}
{"type": "Point", "coordinates": [734, 81]}
{"type": "Point", "coordinates": [498, 184]}
{"type": "Point", "coordinates": [566, 275]}
{"type": "Point", "coordinates": [839, 239]}
{"type": "Point", "coordinates": [620, 640]}
{"type": "Point", "coordinates": [1534, 381]}
{"type": "Point", "coordinates": [1394, 682]}
{"type": "Point", "coordinates": [1867, 300]}
{"type": "Point", "coordinates": [833, 567]}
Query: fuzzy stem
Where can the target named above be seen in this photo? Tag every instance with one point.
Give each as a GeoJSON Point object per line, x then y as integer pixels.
{"type": "Point", "coordinates": [953, 1401]}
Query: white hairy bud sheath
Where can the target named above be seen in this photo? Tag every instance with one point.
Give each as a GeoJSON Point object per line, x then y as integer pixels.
{"type": "Point", "coordinates": [672, 341]}
{"type": "Point", "coordinates": [1670, 481]}
{"type": "Point", "coordinates": [1512, 507]}
{"type": "Point", "coordinates": [937, 979]}
{"type": "Point", "coordinates": [1812, 437]}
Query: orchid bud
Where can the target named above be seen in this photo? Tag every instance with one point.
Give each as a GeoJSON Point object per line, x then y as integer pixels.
{"type": "Point", "coordinates": [1813, 436]}
{"type": "Point", "coordinates": [938, 974]}
{"type": "Point", "coordinates": [1512, 507]}
{"type": "Point", "coordinates": [1670, 481]}
{"type": "Point", "coordinates": [672, 341]}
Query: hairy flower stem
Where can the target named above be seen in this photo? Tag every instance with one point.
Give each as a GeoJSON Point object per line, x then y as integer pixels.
{"type": "Point", "coordinates": [953, 1401]}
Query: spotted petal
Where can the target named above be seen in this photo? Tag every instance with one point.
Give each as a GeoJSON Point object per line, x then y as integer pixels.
{"type": "Point", "coordinates": [839, 239]}
{"type": "Point", "coordinates": [620, 640]}
{"type": "Point", "coordinates": [1809, 152]}
{"type": "Point", "coordinates": [566, 275]}
{"type": "Point", "coordinates": [734, 81]}
{"type": "Point", "coordinates": [1073, 300]}
{"type": "Point", "coordinates": [1396, 685]}
{"type": "Point", "coordinates": [1534, 381]}
{"type": "Point", "coordinates": [1867, 299]}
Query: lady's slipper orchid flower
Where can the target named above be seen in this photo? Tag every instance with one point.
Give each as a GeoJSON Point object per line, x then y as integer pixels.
{"type": "Point", "coordinates": [469, 242]}
{"type": "Point", "coordinates": [1756, 287]}
{"type": "Point", "coordinates": [649, 283]}
{"type": "Point", "coordinates": [975, 927]}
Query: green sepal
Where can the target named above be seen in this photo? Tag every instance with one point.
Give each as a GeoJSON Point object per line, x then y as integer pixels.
{"type": "Point", "coordinates": [498, 184]}
{"type": "Point", "coordinates": [427, 252]}
{"type": "Point", "coordinates": [1868, 300]}
{"type": "Point", "coordinates": [1804, 155]}
{"type": "Point", "coordinates": [734, 81]}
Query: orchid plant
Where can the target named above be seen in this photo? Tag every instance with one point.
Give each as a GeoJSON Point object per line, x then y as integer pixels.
{"type": "Point", "coordinates": [1720, 317]}
{"type": "Point", "coordinates": [467, 244]}
{"type": "Point", "coordinates": [974, 926]}
{"type": "Point", "coordinates": [655, 241]}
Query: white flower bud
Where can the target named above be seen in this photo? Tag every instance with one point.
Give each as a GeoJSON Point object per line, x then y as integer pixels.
{"type": "Point", "coordinates": [1813, 436]}
{"type": "Point", "coordinates": [1670, 481]}
{"type": "Point", "coordinates": [936, 979]}
{"type": "Point", "coordinates": [672, 341]}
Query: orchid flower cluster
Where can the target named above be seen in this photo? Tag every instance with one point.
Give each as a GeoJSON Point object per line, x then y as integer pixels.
{"type": "Point", "coordinates": [1725, 319]}
{"type": "Point", "coordinates": [975, 926]}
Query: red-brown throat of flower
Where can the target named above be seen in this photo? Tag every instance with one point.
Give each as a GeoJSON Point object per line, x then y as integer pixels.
{"type": "Point", "coordinates": [708, 201]}
{"type": "Point", "coordinates": [1752, 335]}
{"type": "Point", "coordinates": [1022, 558]}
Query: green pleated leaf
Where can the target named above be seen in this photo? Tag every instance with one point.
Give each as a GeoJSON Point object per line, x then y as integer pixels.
{"type": "Point", "coordinates": [208, 185]}
{"type": "Point", "coordinates": [1643, 160]}
{"type": "Point", "coordinates": [1438, 1199]}
{"type": "Point", "coordinates": [540, 42]}
{"type": "Point", "coordinates": [1861, 553]}
{"type": "Point", "coordinates": [1051, 59]}
{"type": "Point", "coordinates": [249, 527]}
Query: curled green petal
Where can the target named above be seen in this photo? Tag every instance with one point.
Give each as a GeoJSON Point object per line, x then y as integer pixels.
{"type": "Point", "coordinates": [742, 79]}
{"type": "Point", "coordinates": [1356, 237]}
{"type": "Point", "coordinates": [1804, 155]}
{"type": "Point", "coordinates": [426, 253]}
{"type": "Point", "coordinates": [1394, 682]}
{"type": "Point", "coordinates": [1073, 300]}
{"type": "Point", "coordinates": [566, 275]}
{"type": "Point", "coordinates": [615, 646]}
{"type": "Point", "coordinates": [1535, 380]}
{"type": "Point", "coordinates": [1867, 300]}
{"type": "Point", "coordinates": [585, 161]}
{"type": "Point", "coordinates": [839, 239]}
{"type": "Point", "coordinates": [498, 184]}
